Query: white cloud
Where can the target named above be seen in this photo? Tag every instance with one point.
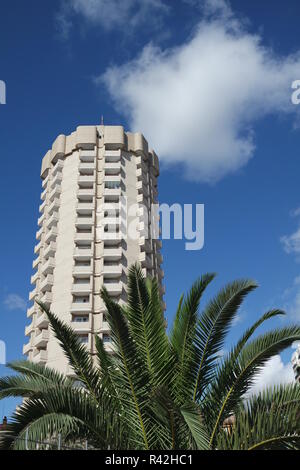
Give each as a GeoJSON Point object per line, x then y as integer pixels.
{"type": "Point", "coordinates": [197, 103]}
{"type": "Point", "coordinates": [14, 302]}
{"type": "Point", "coordinates": [109, 14]}
{"type": "Point", "coordinates": [275, 372]}
{"type": "Point", "coordinates": [291, 243]}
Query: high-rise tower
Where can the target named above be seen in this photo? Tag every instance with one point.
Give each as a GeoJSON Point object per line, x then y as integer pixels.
{"type": "Point", "coordinates": [80, 243]}
{"type": "Point", "coordinates": [296, 364]}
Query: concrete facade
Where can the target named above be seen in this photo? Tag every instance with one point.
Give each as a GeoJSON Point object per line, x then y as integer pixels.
{"type": "Point", "coordinates": [84, 177]}
{"type": "Point", "coordinates": [296, 364]}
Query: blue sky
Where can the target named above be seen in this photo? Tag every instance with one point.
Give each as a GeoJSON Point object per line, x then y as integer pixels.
{"type": "Point", "coordinates": [209, 84]}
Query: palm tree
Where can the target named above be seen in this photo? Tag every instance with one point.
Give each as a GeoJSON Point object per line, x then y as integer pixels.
{"type": "Point", "coordinates": [158, 391]}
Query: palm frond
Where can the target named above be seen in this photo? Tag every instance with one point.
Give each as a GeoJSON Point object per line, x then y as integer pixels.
{"type": "Point", "coordinates": [213, 325]}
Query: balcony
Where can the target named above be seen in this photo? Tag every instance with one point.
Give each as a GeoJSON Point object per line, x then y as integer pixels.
{"type": "Point", "coordinates": [29, 329]}
{"type": "Point", "coordinates": [111, 221]}
{"type": "Point", "coordinates": [83, 253]}
{"type": "Point", "coordinates": [87, 155]}
{"type": "Point", "coordinates": [42, 206]}
{"type": "Point", "coordinates": [146, 243]}
{"type": "Point", "coordinates": [42, 321]}
{"type": "Point", "coordinates": [36, 263]}
{"type": "Point", "coordinates": [52, 221]}
{"type": "Point", "coordinates": [81, 326]}
{"type": "Point", "coordinates": [45, 181]}
{"type": "Point", "coordinates": [160, 258]}
{"type": "Point", "coordinates": [55, 193]}
{"type": "Point", "coordinates": [50, 250]}
{"type": "Point", "coordinates": [39, 234]}
{"type": "Point", "coordinates": [112, 254]}
{"type": "Point", "coordinates": [86, 179]}
{"type": "Point", "coordinates": [112, 168]}
{"type": "Point", "coordinates": [54, 206]}
{"type": "Point", "coordinates": [82, 288]}
{"type": "Point", "coordinates": [46, 284]}
{"type": "Point", "coordinates": [161, 273]}
{"type": "Point", "coordinates": [83, 208]}
{"type": "Point", "coordinates": [105, 326]}
{"type": "Point", "coordinates": [112, 193]}
{"type": "Point", "coordinates": [142, 199]}
{"type": "Point", "coordinates": [58, 167]}
{"type": "Point", "coordinates": [142, 188]}
{"type": "Point", "coordinates": [41, 357]}
{"type": "Point", "coordinates": [32, 294]}
{"type": "Point", "coordinates": [34, 278]}
{"type": "Point", "coordinates": [146, 260]}
{"type": "Point", "coordinates": [81, 307]}
{"type": "Point", "coordinates": [82, 270]}
{"type": "Point", "coordinates": [84, 222]}
{"type": "Point", "coordinates": [30, 311]}
{"type": "Point", "coordinates": [37, 248]}
{"type": "Point", "coordinates": [51, 235]}
{"type": "Point", "coordinates": [27, 348]}
{"type": "Point", "coordinates": [47, 299]}
{"type": "Point", "coordinates": [56, 180]}
{"type": "Point", "coordinates": [158, 243]}
{"type": "Point", "coordinates": [113, 288]}
{"type": "Point", "coordinates": [48, 266]}
{"type": "Point", "coordinates": [84, 237]}
{"type": "Point", "coordinates": [41, 220]}
{"type": "Point", "coordinates": [41, 340]}
{"type": "Point", "coordinates": [162, 290]}
{"type": "Point", "coordinates": [111, 271]}
{"type": "Point", "coordinates": [43, 195]}
{"type": "Point", "coordinates": [83, 166]}
{"type": "Point", "coordinates": [85, 193]}
{"type": "Point", "coordinates": [112, 156]}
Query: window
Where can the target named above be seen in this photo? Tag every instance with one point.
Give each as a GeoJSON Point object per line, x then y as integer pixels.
{"type": "Point", "coordinates": [82, 263]}
{"type": "Point", "coordinates": [80, 319]}
{"type": "Point", "coordinates": [81, 280]}
{"type": "Point", "coordinates": [81, 299]}
{"type": "Point", "coordinates": [112, 184]}
{"type": "Point", "coordinates": [84, 339]}
{"type": "Point", "coordinates": [106, 338]}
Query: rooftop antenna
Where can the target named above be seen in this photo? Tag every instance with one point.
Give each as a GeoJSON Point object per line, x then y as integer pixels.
{"type": "Point", "coordinates": [102, 120]}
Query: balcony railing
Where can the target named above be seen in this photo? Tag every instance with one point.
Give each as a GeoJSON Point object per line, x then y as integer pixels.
{"type": "Point", "coordinates": [27, 348]}
{"type": "Point", "coordinates": [82, 288]}
{"type": "Point", "coordinates": [41, 340]}
{"type": "Point", "coordinates": [47, 299]}
{"type": "Point", "coordinates": [53, 220]}
{"type": "Point", "coordinates": [32, 294]}
{"type": "Point", "coordinates": [50, 250]}
{"type": "Point", "coordinates": [41, 357]}
{"type": "Point", "coordinates": [85, 192]}
{"type": "Point", "coordinates": [34, 278]}
{"type": "Point", "coordinates": [48, 266]}
{"type": "Point", "coordinates": [112, 270]}
{"type": "Point", "coordinates": [42, 206]}
{"type": "Point", "coordinates": [29, 329]}
{"type": "Point", "coordinates": [37, 248]}
{"type": "Point", "coordinates": [83, 253]}
{"type": "Point", "coordinates": [112, 253]}
{"type": "Point", "coordinates": [81, 307]}
{"type": "Point", "coordinates": [51, 235]}
{"type": "Point", "coordinates": [42, 321]}
{"type": "Point", "coordinates": [84, 237]}
{"type": "Point", "coordinates": [46, 284]}
{"type": "Point", "coordinates": [54, 206]}
{"type": "Point", "coordinates": [78, 270]}
{"type": "Point", "coordinates": [30, 311]}
{"type": "Point", "coordinates": [113, 288]}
